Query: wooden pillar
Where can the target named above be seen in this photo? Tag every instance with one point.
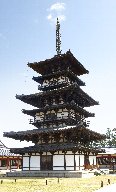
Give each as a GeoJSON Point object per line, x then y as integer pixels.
{"type": "Point", "coordinates": [29, 161]}
{"type": "Point", "coordinates": [74, 163]}
{"type": "Point", "coordinates": [22, 162]}
{"type": "Point", "coordinates": [18, 163]}
{"type": "Point", "coordinates": [47, 158]}
{"type": "Point", "coordinates": [64, 162]}
{"type": "Point", "coordinates": [10, 163]}
{"type": "Point", "coordinates": [7, 164]}
{"type": "Point", "coordinates": [79, 161]}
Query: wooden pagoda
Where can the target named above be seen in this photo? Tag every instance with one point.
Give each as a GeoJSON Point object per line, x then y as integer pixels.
{"type": "Point", "coordinates": [62, 139]}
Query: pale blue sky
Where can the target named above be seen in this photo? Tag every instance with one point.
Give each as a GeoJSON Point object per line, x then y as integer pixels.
{"type": "Point", "coordinates": [27, 35]}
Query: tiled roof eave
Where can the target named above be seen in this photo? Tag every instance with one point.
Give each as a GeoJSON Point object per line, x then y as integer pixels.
{"type": "Point", "coordinates": [20, 135]}
{"type": "Point", "coordinates": [32, 98]}
{"type": "Point", "coordinates": [54, 148]}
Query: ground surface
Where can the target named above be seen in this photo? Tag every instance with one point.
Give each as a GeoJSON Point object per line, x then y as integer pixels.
{"type": "Point", "coordinates": [64, 185]}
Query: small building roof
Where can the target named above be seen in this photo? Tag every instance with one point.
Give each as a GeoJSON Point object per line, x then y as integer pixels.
{"type": "Point", "coordinates": [2, 145]}
{"type": "Point", "coordinates": [5, 151]}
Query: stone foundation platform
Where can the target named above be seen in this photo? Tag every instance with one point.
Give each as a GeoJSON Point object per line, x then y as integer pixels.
{"type": "Point", "coordinates": [44, 174]}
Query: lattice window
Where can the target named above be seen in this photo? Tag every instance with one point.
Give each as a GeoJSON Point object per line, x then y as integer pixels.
{"type": "Point", "coordinates": [51, 116]}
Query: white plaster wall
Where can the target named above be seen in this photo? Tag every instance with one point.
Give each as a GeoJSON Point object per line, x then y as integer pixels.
{"type": "Point", "coordinates": [54, 102]}
{"type": "Point", "coordinates": [69, 152]}
{"type": "Point", "coordinates": [65, 110]}
{"type": "Point", "coordinates": [69, 160]}
{"type": "Point", "coordinates": [58, 160]}
{"type": "Point", "coordinates": [55, 79]}
{"type": "Point", "coordinates": [61, 79]}
{"type": "Point", "coordinates": [60, 111]}
{"type": "Point", "coordinates": [62, 114]}
{"type": "Point", "coordinates": [50, 125]}
{"type": "Point", "coordinates": [50, 81]}
{"type": "Point", "coordinates": [47, 112]}
{"type": "Point", "coordinates": [61, 101]}
{"type": "Point", "coordinates": [44, 153]}
{"type": "Point", "coordinates": [58, 168]}
{"type": "Point", "coordinates": [67, 79]}
{"type": "Point", "coordinates": [72, 111]}
{"type": "Point", "coordinates": [54, 125]}
{"type": "Point", "coordinates": [25, 169]}
{"type": "Point", "coordinates": [45, 83]}
{"type": "Point", "coordinates": [81, 160]}
{"type": "Point", "coordinates": [59, 125]}
{"type": "Point", "coordinates": [70, 168]}
{"type": "Point", "coordinates": [77, 160]}
{"type": "Point", "coordinates": [48, 153]}
{"type": "Point", "coordinates": [39, 116]}
{"type": "Point", "coordinates": [35, 163]}
{"type": "Point", "coordinates": [52, 111]}
{"type": "Point", "coordinates": [95, 162]}
{"type": "Point", "coordinates": [60, 152]}
{"type": "Point", "coordinates": [26, 154]}
{"type": "Point", "coordinates": [91, 158]}
{"type": "Point", "coordinates": [25, 162]}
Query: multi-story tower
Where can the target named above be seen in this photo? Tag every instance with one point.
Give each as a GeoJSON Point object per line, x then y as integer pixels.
{"type": "Point", "coordinates": [62, 139]}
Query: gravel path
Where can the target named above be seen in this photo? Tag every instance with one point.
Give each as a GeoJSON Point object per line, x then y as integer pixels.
{"type": "Point", "coordinates": [108, 188]}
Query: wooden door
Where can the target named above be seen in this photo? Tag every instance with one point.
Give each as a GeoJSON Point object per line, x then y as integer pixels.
{"type": "Point", "coordinates": [46, 162]}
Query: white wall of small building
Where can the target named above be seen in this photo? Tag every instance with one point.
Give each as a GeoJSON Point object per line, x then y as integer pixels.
{"type": "Point", "coordinates": [92, 160]}
{"type": "Point", "coordinates": [59, 159]}
{"type": "Point", "coordinates": [25, 163]}
{"type": "Point", "coordinates": [58, 162]}
{"type": "Point", "coordinates": [35, 163]}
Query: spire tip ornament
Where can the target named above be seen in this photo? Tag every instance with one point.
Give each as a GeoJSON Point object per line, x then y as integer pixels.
{"type": "Point", "coordinates": [58, 38]}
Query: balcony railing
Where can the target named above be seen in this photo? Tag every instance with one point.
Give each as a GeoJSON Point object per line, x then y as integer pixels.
{"type": "Point", "coordinates": [53, 85]}
{"type": "Point", "coordinates": [52, 119]}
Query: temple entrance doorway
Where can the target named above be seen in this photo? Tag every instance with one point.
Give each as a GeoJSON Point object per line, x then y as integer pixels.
{"type": "Point", "coordinates": [46, 162]}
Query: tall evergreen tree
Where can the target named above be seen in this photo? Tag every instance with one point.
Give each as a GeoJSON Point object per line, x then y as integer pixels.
{"type": "Point", "coordinates": [110, 140]}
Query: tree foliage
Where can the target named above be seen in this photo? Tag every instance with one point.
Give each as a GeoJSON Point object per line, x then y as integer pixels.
{"type": "Point", "coordinates": [110, 140]}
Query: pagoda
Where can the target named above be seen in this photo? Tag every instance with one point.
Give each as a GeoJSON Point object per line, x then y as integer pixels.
{"type": "Point", "coordinates": [61, 137]}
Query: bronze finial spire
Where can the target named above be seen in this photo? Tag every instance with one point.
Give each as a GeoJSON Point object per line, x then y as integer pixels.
{"type": "Point", "coordinates": [58, 37]}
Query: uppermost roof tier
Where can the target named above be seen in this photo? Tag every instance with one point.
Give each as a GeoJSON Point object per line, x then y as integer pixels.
{"type": "Point", "coordinates": [59, 62]}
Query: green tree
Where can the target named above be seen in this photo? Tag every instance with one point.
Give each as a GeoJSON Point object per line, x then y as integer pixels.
{"type": "Point", "coordinates": [110, 140]}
